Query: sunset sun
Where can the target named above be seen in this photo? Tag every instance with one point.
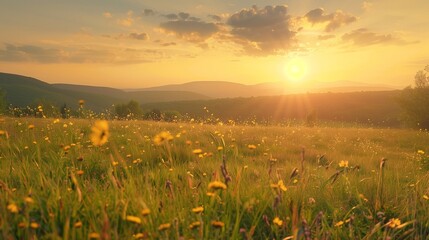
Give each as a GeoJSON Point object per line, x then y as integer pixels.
{"type": "Point", "coordinates": [295, 70]}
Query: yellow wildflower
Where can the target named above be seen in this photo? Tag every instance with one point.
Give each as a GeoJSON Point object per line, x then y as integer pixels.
{"type": "Point", "coordinates": [78, 224]}
{"type": "Point", "coordinates": [139, 236]}
{"type": "Point", "coordinates": [13, 208]}
{"type": "Point", "coordinates": [425, 197]}
{"type": "Point", "coordinates": [218, 224]}
{"type": "Point", "coordinates": [220, 148]}
{"type": "Point", "coordinates": [31, 126]}
{"type": "Point", "coordinates": [194, 225]}
{"type": "Point", "coordinates": [217, 185]}
{"type": "Point", "coordinates": [93, 235]}
{"type": "Point", "coordinates": [197, 151]}
{"type": "Point", "coordinates": [339, 224]}
{"type": "Point", "coordinates": [162, 137]}
{"type": "Point", "coordinates": [81, 102]}
{"type": "Point", "coordinates": [133, 219]}
{"type": "Point", "coordinates": [198, 209]}
{"type": "Point", "coordinates": [29, 200]}
{"type": "Point", "coordinates": [251, 146]}
{"type": "Point", "coordinates": [394, 223]}
{"type": "Point", "coordinates": [280, 185]}
{"type": "Point", "coordinates": [278, 221]}
{"type": "Point", "coordinates": [100, 133]}
{"type": "Point", "coordinates": [164, 226]}
{"type": "Point", "coordinates": [421, 152]}
{"type": "Point", "coordinates": [210, 194]}
{"type": "Point", "coordinates": [145, 211]}
{"type": "Point", "coordinates": [34, 225]}
{"type": "Point", "coordinates": [344, 164]}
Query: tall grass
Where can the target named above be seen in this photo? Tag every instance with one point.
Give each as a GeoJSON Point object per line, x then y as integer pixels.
{"type": "Point", "coordinates": [281, 182]}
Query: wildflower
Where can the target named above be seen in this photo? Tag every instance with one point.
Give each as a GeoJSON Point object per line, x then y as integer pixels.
{"type": "Point", "coordinates": [31, 126]}
{"type": "Point", "coordinates": [115, 163]}
{"type": "Point", "coordinates": [394, 223]}
{"type": "Point", "coordinates": [220, 148]}
{"type": "Point", "coordinates": [421, 152]}
{"type": "Point", "coordinates": [210, 194]}
{"type": "Point", "coordinates": [140, 236]}
{"type": "Point", "coordinates": [343, 164]}
{"type": "Point", "coordinates": [217, 185]}
{"type": "Point", "coordinates": [197, 151]}
{"type": "Point", "coordinates": [79, 172]}
{"type": "Point", "coordinates": [339, 224]}
{"type": "Point", "coordinates": [251, 146]}
{"type": "Point", "coordinates": [277, 221]}
{"type": "Point", "coordinates": [100, 133]}
{"type": "Point", "coordinates": [34, 225]}
{"type": "Point", "coordinates": [81, 102]}
{"type": "Point", "coordinates": [198, 209]}
{"type": "Point", "coordinates": [78, 224]}
{"type": "Point", "coordinates": [162, 137]}
{"type": "Point", "coordinates": [194, 225]}
{"type": "Point", "coordinates": [425, 197]}
{"type": "Point", "coordinates": [280, 185]}
{"type": "Point", "coordinates": [93, 235]}
{"type": "Point", "coordinates": [13, 208]}
{"type": "Point", "coordinates": [29, 200]}
{"type": "Point", "coordinates": [133, 219]}
{"type": "Point", "coordinates": [218, 224]}
{"type": "Point", "coordinates": [145, 211]}
{"type": "Point", "coordinates": [164, 226]}
{"type": "Point", "coordinates": [22, 225]}
{"type": "Point", "coordinates": [2, 132]}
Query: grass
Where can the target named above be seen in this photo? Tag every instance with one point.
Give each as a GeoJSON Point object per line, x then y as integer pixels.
{"type": "Point", "coordinates": [55, 184]}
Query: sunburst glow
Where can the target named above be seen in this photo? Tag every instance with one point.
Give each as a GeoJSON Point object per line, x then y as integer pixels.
{"type": "Point", "coordinates": [295, 69]}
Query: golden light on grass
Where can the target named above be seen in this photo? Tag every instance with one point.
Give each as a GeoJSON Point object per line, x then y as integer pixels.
{"type": "Point", "coordinates": [100, 133]}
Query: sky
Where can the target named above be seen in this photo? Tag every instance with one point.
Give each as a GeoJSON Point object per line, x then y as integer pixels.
{"type": "Point", "coordinates": [144, 43]}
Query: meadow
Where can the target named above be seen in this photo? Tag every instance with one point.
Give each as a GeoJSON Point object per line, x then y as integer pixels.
{"type": "Point", "coordinates": [86, 179]}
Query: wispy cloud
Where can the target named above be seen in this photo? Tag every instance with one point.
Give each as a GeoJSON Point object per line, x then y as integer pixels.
{"type": "Point", "coordinates": [364, 37]}
{"type": "Point", "coordinates": [332, 20]}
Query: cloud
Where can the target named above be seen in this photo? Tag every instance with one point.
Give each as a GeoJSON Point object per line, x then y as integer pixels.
{"type": "Point", "coordinates": [148, 12]}
{"type": "Point", "coordinates": [216, 18]}
{"type": "Point", "coordinates": [325, 37]}
{"type": "Point", "coordinates": [168, 44]}
{"type": "Point", "coordinates": [263, 31]}
{"type": "Point", "coordinates": [366, 6]}
{"type": "Point", "coordinates": [138, 36]}
{"type": "Point", "coordinates": [189, 28]}
{"type": "Point", "coordinates": [363, 37]}
{"type": "Point", "coordinates": [77, 54]}
{"type": "Point", "coordinates": [127, 21]}
{"type": "Point", "coordinates": [107, 15]}
{"type": "Point", "coordinates": [171, 16]}
{"type": "Point", "coordinates": [332, 21]}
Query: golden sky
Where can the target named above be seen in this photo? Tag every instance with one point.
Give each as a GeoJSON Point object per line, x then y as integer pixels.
{"type": "Point", "coordinates": [135, 43]}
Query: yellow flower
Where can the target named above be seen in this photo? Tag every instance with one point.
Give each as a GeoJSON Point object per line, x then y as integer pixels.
{"type": "Point", "coordinates": [31, 126]}
{"type": "Point", "coordinates": [162, 137]}
{"type": "Point", "coordinates": [197, 151]}
{"type": "Point", "coordinates": [394, 222]}
{"type": "Point", "coordinates": [220, 148]}
{"type": "Point", "coordinates": [277, 221]}
{"type": "Point", "coordinates": [425, 197]}
{"type": "Point", "coordinates": [198, 209]}
{"type": "Point", "coordinates": [421, 152]}
{"type": "Point", "coordinates": [194, 225]}
{"type": "Point", "coordinates": [29, 200]}
{"type": "Point", "coordinates": [210, 194]}
{"type": "Point", "coordinates": [339, 224]}
{"type": "Point", "coordinates": [218, 224]}
{"type": "Point", "coordinates": [2, 133]}
{"type": "Point", "coordinates": [13, 208]}
{"type": "Point", "coordinates": [217, 185]}
{"type": "Point", "coordinates": [93, 235]}
{"type": "Point", "coordinates": [280, 185]}
{"type": "Point", "coordinates": [133, 219]}
{"type": "Point", "coordinates": [78, 224]}
{"type": "Point", "coordinates": [100, 133]}
{"type": "Point", "coordinates": [139, 236]}
{"type": "Point", "coordinates": [344, 164]}
{"type": "Point", "coordinates": [145, 211]}
{"type": "Point", "coordinates": [34, 225]}
{"type": "Point", "coordinates": [81, 102]}
{"type": "Point", "coordinates": [251, 146]}
{"type": "Point", "coordinates": [164, 226]}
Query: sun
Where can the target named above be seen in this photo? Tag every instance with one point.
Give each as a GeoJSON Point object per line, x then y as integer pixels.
{"type": "Point", "coordinates": [295, 69]}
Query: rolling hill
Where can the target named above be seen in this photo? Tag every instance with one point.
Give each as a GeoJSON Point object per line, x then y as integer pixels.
{"type": "Point", "coordinates": [22, 91]}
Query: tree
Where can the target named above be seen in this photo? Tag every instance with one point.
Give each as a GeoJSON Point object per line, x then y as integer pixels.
{"type": "Point", "coordinates": [131, 110]}
{"type": "Point", "coordinates": [415, 100]}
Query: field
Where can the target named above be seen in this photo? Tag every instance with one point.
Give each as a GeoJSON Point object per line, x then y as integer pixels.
{"type": "Point", "coordinates": [59, 180]}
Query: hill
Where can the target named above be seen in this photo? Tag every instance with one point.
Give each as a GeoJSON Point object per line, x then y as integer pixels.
{"type": "Point", "coordinates": [221, 89]}
{"type": "Point", "coordinates": [378, 108]}
{"type": "Point", "coordinates": [22, 91]}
